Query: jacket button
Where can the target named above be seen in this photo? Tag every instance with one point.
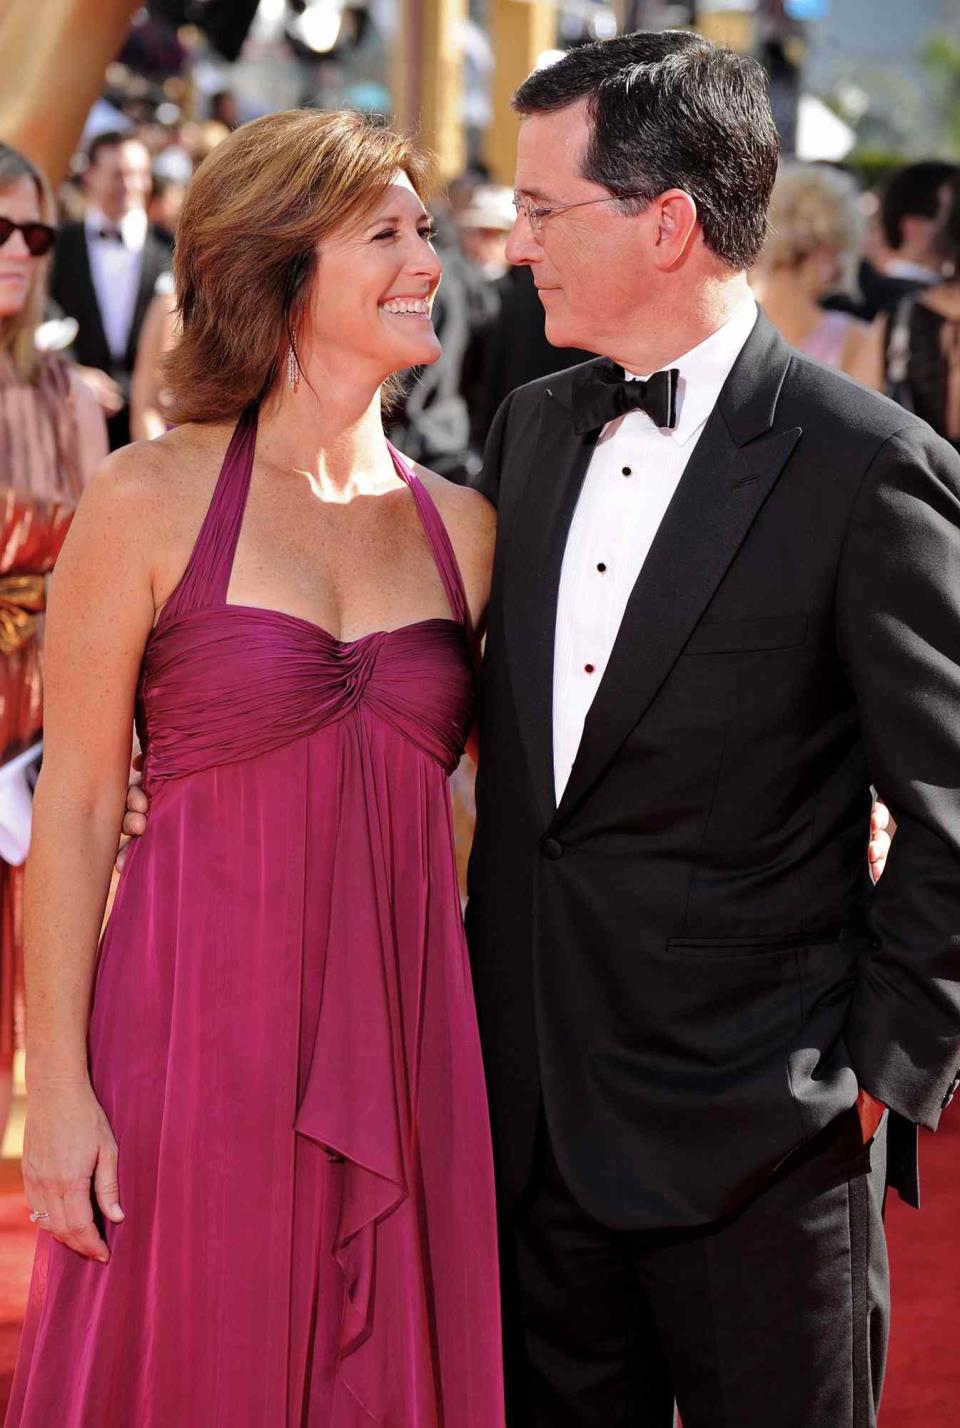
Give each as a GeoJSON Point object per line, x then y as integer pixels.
{"type": "Point", "coordinates": [552, 849]}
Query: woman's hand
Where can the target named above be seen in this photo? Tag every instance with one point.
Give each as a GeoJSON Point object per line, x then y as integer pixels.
{"type": "Point", "coordinates": [104, 388]}
{"type": "Point", "coordinates": [67, 1144]}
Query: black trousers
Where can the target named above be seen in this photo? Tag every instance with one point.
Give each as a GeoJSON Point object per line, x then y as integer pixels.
{"type": "Point", "coordinates": [775, 1317]}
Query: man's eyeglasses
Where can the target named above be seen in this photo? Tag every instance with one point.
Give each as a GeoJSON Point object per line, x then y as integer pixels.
{"type": "Point", "coordinates": [39, 237]}
{"type": "Point", "coordinates": [537, 217]}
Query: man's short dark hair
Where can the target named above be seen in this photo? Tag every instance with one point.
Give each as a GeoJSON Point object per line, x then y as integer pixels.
{"type": "Point", "coordinates": [912, 192]}
{"type": "Point", "coordinates": [672, 110]}
{"type": "Point", "coordinates": [111, 139]}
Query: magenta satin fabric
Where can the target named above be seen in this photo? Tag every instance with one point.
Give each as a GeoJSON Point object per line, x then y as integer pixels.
{"type": "Point", "coordinates": [285, 974]}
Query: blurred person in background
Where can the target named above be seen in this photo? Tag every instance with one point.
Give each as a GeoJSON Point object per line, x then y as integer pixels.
{"type": "Point", "coordinates": [52, 435]}
{"type": "Point", "coordinates": [914, 351]}
{"type": "Point", "coordinates": [224, 110]}
{"type": "Point", "coordinates": [150, 414]}
{"type": "Point", "coordinates": [199, 140]}
{"type": "Point", "coordinates": [106, 269]}
{"type": "Point", "coordinates": [484, 227]}
{"type": "Point", "coordinates": [913, 210]}
{"type": "Point", "coordinates": [814, 237]}
{"type": "Point", "coordinates": [166, 200]}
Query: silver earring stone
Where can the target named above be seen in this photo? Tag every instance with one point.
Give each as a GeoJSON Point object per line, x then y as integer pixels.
{"type": "Point", "coordinates": [293, 369]}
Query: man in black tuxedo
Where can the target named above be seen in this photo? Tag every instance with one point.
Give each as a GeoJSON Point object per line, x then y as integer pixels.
{"type": "Point", "coordinates": [107, 267]}
{"type": "Point", "coordinates": [726, 601]}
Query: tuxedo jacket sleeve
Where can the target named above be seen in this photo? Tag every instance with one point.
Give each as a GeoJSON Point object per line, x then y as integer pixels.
{"type": "Point", "coordinates": [899, 632]}
{"type": "Point", "coordinates": [489, 480]}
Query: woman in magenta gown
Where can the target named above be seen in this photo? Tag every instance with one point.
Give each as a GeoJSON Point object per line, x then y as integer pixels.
{"type": "Point", "coordinates": [279, 1076]}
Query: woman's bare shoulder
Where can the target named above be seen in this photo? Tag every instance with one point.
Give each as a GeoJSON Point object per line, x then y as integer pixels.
{"type": "Point", "coordinates": [471, 524]}
{"type": "Point", "coordinates": [465, 511]}
{"type": "Point", "coordinates": [179, 464]}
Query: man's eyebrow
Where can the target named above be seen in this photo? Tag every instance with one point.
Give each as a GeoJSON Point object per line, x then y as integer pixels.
{"type": "Point", "coordinates": [537, 193]}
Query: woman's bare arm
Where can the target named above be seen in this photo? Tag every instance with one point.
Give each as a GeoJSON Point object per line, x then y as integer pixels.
{"type": "Point", "coordinates": [156, 338]}
{"type": "Point", "coordinates": [867, 363]}
{"type": "Point", "coordinates": [100, 613]}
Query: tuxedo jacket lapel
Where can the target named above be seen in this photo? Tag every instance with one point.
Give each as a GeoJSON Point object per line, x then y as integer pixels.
{"type": "Point", "coordinates": [731, 472]}
{"type": "Point", "coordinates": [77, 271]}
{"type": "Point", "coordinates": [533, 559]}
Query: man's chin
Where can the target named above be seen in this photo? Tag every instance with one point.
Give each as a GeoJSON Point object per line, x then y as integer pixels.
{"type": "Point", "coordinates": [560, 333]}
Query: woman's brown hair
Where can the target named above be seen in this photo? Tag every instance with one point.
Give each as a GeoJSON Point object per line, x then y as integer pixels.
{"type": "Point", "coordinates": [17, 332]}
{"type": "Point", "coordinates": [246, 245]}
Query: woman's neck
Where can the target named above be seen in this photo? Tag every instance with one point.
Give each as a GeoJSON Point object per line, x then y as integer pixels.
{"type": "Point", "coordinates": [331, 431]}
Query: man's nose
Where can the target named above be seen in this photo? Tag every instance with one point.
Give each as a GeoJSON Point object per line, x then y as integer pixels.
{"type": "Point", "coordinates": [522, 247]}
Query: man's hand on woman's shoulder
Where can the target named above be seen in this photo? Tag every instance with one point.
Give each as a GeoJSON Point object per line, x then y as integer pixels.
{"type": "Point", "coordinates": [135, 814]}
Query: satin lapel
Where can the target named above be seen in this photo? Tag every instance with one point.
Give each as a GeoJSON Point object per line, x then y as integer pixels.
{"type": "Point", "coordinates": [722, 490]}
{"type": "Point", "coordinates": [533, 557]}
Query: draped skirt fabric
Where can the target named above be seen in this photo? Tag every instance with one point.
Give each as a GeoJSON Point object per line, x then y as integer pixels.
{"type": "Point", "coordinates": [283, 1040]}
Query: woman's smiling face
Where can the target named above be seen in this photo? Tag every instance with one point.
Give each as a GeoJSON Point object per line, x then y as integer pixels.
{"type": "Point", "coordinates": [374, 288]}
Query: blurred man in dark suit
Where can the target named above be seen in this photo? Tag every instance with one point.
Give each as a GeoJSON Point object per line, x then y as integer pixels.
{"type": "Point", "coordinates": [107, 266]}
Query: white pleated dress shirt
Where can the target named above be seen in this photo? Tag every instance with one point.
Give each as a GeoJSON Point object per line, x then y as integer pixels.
{"type": "Point", "coordinates": [115, 270]}
{"type": "Point", "coordinates": [629, 483]}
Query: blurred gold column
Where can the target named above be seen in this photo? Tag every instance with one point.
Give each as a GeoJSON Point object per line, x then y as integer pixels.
{"type": "Point", "coordinates": [519, 33]}
{"type": "Point", "coordinates": [53, 54]}
{"type": "Point", "coordinates": [428, 77]}
{"type": "Point", "coordinates": [734, 28]}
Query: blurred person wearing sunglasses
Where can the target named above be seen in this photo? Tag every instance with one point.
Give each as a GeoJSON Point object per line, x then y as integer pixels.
{"type": "Point", "coordinates": [51, 437]}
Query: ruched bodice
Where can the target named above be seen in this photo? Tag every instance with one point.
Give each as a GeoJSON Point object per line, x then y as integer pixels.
{"type": "Point", "coordinates": [283, 1038]}
{"type": "Point", "coordinates": [225, 682]}
{"type": "Point", "coordinates": [230, 682]}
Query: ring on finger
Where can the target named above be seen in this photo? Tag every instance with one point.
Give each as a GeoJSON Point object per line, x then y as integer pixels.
{"type": "Point", "coordinates": [37, 1215]}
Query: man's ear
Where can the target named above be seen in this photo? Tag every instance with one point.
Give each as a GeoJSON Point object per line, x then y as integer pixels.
{"type": "Point", "coordinates": [675, 214]}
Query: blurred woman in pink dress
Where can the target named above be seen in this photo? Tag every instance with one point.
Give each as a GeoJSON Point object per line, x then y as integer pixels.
{"type": "Point", "coordinates": [813, 245]}
{"type": "Point", "coordinates": [273, 1066]}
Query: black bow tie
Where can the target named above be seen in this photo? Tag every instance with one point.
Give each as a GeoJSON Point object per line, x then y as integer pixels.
{"type": "Point", "coordinates": [603, 393]}
{"type": "Point", "coordinates": [110, 235]}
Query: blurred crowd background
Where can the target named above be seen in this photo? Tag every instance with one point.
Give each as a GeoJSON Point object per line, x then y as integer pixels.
{"type": "Point", "coordinates": [107, 109]}
{"type": "Point", "coordinates": [118, 105]}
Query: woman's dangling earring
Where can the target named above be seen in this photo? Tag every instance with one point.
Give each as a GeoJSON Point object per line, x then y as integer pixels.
{"type": "Point", "coordinates": [293, 368]}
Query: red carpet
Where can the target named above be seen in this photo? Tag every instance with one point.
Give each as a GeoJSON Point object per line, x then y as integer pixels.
{"type": "Point", "coordinates": [923, 1373]}
{"type": "Point", "coordinates": [923, 1378]}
